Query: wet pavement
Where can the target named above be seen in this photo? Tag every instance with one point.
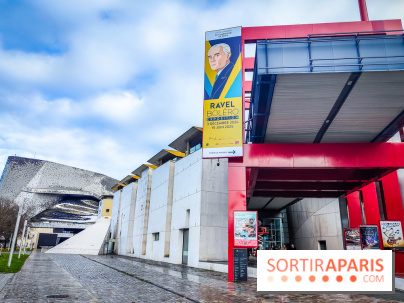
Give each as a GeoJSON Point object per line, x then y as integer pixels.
{"type": "Point", "coordinates": [85, 278]}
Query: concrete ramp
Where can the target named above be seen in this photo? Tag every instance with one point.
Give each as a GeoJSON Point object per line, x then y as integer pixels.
{"type": "Point", "coordinates": [87, 242]}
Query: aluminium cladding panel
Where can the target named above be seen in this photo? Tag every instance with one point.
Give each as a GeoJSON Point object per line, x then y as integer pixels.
{"type": "Point", "coordinates": [374, 102]}
{"type": "Point", "coordinates": [301, 104]}
{"type": "Point", "coordinates": [138, 226]}
{"type": "Point", "coordinates": [58, 176]}
{"type": "Point", "coordinates": [17, 173]}
{"type": "Point", "coordinates": [123, 221]}
{"type": "Point", "coordinates": [158, 211]}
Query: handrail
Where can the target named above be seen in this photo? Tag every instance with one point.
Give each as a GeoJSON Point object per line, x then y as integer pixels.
{"type": "Point", "coordinates": [345, 33]}
{"type": "Point", "coordinates": [356, 58]}
{"type": "Point", "coordinates": [329, 39]}
{"type": "Point", "coordinates": [313, 66]}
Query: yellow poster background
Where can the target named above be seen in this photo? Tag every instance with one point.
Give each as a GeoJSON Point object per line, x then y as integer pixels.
{"type": "Point", "coordinates": [222, 124]}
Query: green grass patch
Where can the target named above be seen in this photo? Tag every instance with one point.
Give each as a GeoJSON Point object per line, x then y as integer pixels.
{"type": "Point", "coordinates": [16, 263]}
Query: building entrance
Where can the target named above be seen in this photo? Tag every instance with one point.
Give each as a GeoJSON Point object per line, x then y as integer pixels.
{"type": "Point", "coordinates": [185, 241]}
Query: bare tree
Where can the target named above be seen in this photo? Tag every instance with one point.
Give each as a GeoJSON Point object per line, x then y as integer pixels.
{"type": "Point", "coordinates": [8, 217]}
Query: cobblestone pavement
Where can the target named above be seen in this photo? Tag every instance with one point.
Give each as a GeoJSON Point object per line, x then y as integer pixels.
{"type": "Point", "coordinates": [4, 278]}
{"type": "Point", "coordinates": [40, 279]}
{"type": "Point", "coordinates": [123, 279]}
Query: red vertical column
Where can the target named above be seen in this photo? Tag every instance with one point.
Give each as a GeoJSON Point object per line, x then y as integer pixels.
{"type": "Point", "coordinates": [363, 10]}
{"type": "Point", "coordinates": [371, 204]}
{"type": "Point", "coordinates": [394, 210]}
{"type": "Point", "coordinates": [237, 201]}
{"type": "Point", "coordinates": [354, 209]}
{"type": "Point", "coordinates": [392, 197]}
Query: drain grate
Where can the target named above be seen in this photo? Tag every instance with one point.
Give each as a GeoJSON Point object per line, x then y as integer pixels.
{"type": "Point", "coordinates": [57, 296]}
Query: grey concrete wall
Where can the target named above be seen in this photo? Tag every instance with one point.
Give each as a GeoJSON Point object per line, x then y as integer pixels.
{"type": "Point", "coordinates": [312, 220]}
{"type": "Point", "coordinates": [214, 211]}
{"type": "Point", "coordinates": [188, 194]}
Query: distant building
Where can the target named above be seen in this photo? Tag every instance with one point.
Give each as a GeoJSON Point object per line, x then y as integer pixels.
{"type": "Point", "coordinates": [61, 200]}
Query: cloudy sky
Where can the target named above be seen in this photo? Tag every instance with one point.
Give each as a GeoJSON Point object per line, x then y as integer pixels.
{"type": "Point", "coordinates": [103, 85]}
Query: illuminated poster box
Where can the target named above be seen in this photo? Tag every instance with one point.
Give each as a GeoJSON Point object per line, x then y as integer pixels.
{"type": "Point", "coordinates": [245, 229]}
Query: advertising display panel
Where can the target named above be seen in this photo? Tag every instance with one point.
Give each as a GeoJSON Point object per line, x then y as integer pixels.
{"type": "Point", "coordinates": [245, 229]}
{"type": "Point", "coordinates": [223, 108]}
{"type": "Point", "coordinates": [352, 239]}
{"type": "Point", "coordinates": [369, 237]}
{"type": "Point", "coordinates": [392, 235]}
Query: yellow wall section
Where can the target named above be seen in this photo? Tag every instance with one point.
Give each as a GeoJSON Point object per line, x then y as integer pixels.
{"type": "Point", "coordinates": [107, 204]}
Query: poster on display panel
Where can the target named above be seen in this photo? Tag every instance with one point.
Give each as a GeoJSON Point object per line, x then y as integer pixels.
{"type": "Point", "coordinates": [245, 229]}
{"type": "Point", "coordinates": [352, 239]}
{"type": "Point", "coordinates": [392, 235]}
{"type": "Point", "coordinates": [369, 237]}
{"type": "Point", "coordinates": [223, 108]}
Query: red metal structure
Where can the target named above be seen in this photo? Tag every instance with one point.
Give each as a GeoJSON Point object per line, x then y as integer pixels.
{"type": "Point", "coordinates": [363, 10]}
{"type": "Point", "coordinates": [317, 170]}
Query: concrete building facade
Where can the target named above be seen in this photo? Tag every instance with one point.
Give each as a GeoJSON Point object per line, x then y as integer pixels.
{"type": "Point", "coordinates": [180, 200]}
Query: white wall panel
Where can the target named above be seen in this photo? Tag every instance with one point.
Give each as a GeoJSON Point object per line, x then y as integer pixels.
{"type": "Point", "coordinates": [114, 213]}
{"type": "Point", "coordinates": [140, 213]}
{"type": "Point", "coordinates": [124, 218]}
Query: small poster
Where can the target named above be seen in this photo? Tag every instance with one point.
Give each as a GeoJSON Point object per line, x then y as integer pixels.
{"type": "Point", "coordinates": [245, 228]}
{"type": "Point", "coordinates": [392, 235]}
{"type": "Point", "coordinates": [352, 239]}
{"type": "Point", "coordinates": [369, 237]}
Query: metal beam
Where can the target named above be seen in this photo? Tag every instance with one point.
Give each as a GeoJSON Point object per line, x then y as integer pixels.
{"type": "Point", "coordinates": [396, 125]}
{"type": "Point", "coordinates": [298, 194]}
{"type": "Point", "coordinates": [274, 185]}
{"type": "Point", "coordinates": [290, 204]}
{"type": "Point", "coordinates": [262, 98]}
{"type": "Point", "coordinates": [266, 204]}
{"type": "Point", "coordinates": [324, 156]}
{"type": "Point", "coordinates": [363, 10]}
{"type": "Point", "coordinates": [252, 181]}
{"type": "Point", "coordinates": [319, 175]}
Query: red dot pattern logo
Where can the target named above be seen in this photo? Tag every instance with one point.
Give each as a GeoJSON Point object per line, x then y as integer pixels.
{"type": "Point", "coordinates": [312, 278]}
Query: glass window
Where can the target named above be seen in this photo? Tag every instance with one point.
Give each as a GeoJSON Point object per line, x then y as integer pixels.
{"type": "Point", "coordinates": [156, 236]}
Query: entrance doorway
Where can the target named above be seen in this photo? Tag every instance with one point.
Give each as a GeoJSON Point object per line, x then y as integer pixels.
{"type": "Point", "coordinates": [322, 245]}
{"type": "Point", "coordinates": [185, 241]}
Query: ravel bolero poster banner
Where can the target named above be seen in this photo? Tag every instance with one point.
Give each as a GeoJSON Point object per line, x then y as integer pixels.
{"type": "Point", "coordinates": [223, 108]}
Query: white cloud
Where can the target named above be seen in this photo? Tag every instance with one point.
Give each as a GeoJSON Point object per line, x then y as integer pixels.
{"type": "Point", "coordinates": [120, 106]}
{"type": "Point", "coordinates": [91, 150]}
{"type": "Point", "coordinates": [130, 79]}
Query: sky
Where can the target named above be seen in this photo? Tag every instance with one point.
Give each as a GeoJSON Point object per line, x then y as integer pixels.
{"type": "Point", "coordinates": [104, 85]}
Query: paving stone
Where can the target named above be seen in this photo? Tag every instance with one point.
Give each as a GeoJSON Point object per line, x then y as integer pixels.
{"type": "Point", "coordinates": [124, 279]}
